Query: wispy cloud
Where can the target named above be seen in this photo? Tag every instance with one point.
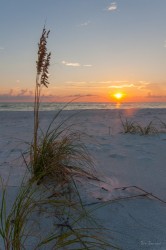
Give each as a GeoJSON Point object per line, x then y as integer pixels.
{"type": "Point", "coordinates": [87, 65]}
{"type": "Point", "coordinates": [150, 95]}
{"type": "Point", "coordinates": [24, 92]}
{"type": "Point", "coordinates": [86, 84]}
{"type": "Point", "coordinates": [112, 7]}
{"type": "Point", "coordinates": [75, 64]}
{"type": "Point", "coordinates": [112, 82]}
{"type": "Point", "coordinates": [17, 95]}
{"type": "Point", "coordinates": [84, 24]}
{"type": "Point", "coordinates": [76, 82]}
{"type": "Point", "coordinates": [104, 82]}
{"type": "Point", "coordinates": [121, 86]}
{"type": "Point", "coordinates": [101, 84]}
{"type": "Point", "coordinates": [142, 84]}
{"type": "Point", "coordinates": [80, 95]}
{"type": "Point", "coordinates": [21, 95]}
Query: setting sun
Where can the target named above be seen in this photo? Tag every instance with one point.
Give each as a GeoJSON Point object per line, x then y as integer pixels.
{"type": "Point", "coordinates": [118, 95]}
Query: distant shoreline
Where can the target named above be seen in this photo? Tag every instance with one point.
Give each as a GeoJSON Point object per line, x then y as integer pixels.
{"type": "Point", "coordinates": [48, 106]}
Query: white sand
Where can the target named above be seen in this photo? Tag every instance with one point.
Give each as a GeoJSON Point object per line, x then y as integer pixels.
{"type": "Point", "coordinates": [121, 160]}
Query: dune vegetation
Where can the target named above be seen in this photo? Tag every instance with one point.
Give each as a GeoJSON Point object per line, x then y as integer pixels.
{"type": "Point", "coordinates": [49, 196]}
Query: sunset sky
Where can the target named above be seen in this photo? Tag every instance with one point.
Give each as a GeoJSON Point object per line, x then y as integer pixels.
{"type": "Point", "coordinates": [99, 48]}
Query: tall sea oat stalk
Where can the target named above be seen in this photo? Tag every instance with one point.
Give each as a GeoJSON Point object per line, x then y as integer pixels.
{"type": "Point", "coordinates": [42, 65]}
{"type": "Point", "coordinates": [58, 152]}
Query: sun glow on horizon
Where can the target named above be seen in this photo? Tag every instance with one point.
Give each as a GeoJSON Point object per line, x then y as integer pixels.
{"type": "Point", "coordinates": [118, 96]}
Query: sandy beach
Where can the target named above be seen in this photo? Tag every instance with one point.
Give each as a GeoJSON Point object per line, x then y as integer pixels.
{"type": "Point", "coordinates": [131, 169]}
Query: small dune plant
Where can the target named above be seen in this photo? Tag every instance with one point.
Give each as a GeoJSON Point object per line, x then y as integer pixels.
{"type": "Point", "coordinates": [149, 129]}
{"type": "Point", "coordinates": [163, 124]}
{"type": "Point", "coordinates": [129, 126]}
{"type": "Point", "coordinates": [133, 127]}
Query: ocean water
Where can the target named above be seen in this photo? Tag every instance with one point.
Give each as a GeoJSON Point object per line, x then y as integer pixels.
{"type": "Point", "coordinates": [28, 106]}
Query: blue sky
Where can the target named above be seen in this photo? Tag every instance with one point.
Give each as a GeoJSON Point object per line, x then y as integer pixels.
{"type": "Point", "coordinates": [98, 47]}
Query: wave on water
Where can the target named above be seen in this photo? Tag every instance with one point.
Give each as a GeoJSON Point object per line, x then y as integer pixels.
{"type": "Point", "coordinates": [28, 106]}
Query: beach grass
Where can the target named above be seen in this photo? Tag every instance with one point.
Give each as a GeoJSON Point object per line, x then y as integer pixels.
{"type": "Point", "coordinates": [61, 154]}
{"type": "Point", "coordinates": [56, 156]}
{"type": "Point", "coordinates": [42, 65]}
{"type": "Point", "coordinates": [148, 129]}
{"type": "Point", "coordinates": [133, 127]}
{"type": "Point", "coordinates": [13, 220]}
{"type": "Point", "coordinates": [58, 152]}
{"type": "Point", "coordinates": [69, 224]}
{"type": "Point", "coordinates": [163, 124]}
{"type": "Point", "coordinates": [128, 126]}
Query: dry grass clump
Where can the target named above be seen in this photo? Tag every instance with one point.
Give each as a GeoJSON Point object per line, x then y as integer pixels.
{"type": "Point", "coordinates": [56, 153]}
{"type": "Point", "coordinates": [149, 129]}
{"type": "Point", "coordinates": [128, 126]}
{"type": "Point", "coordinates": [60, 156]}
{"type": "Point", "coordinates": [136, 128]}
{"type": "Point", "coordinates": [163, 125]}
{"type": "Point", "coordinates": [69, 225]}
{"type": "Point", "coordinates": [13, 223]}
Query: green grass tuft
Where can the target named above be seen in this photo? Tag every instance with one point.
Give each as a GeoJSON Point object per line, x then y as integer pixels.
{"type": "Point", "coordinates": [133, 127]}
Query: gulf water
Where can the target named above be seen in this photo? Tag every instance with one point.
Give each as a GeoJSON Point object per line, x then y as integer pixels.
{"type": "Point", "coordinates": [28, 106]}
